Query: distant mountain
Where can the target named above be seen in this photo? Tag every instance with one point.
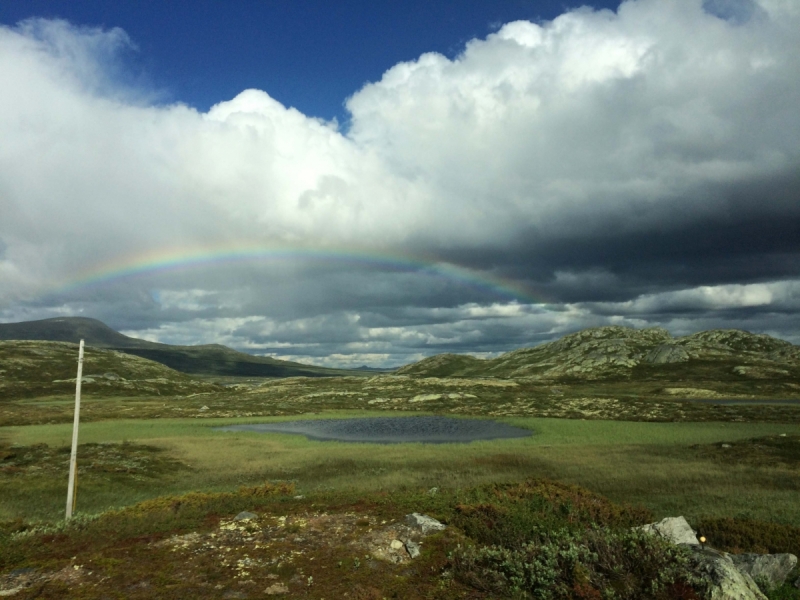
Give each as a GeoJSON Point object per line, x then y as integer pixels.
{"type": "Point", "coordinates": [209, 359]}
{"type": "Point", "coordinates": [69, 329]}
{"type": "Point", "coordinates": [374, 369]}
{"type": "Point", "coordinates": [615, 352]}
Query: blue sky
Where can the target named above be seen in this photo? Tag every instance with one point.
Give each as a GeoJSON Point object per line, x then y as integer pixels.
{"type": "Point", "coordinates": [307, 54]}
{"type": "Point", "coordinates": [499, 173]}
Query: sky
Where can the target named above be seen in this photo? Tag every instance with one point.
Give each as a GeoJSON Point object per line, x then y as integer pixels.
{"type": "Point", "coordinates": [367, 183]}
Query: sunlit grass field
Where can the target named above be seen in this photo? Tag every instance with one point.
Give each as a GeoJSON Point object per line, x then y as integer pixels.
{"type": "Point", "coordinates": [671, 468]}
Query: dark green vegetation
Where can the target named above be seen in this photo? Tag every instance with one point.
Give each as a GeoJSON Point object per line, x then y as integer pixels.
{"type": "Point", "coordinates": [546, 540]}
{"type": "Point", "coordinates": [208, 359]}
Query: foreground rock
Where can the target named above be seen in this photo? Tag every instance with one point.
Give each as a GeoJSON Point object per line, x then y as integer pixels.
{"type": "Point", "coordinates": [245, 516]}
{"type": "Point", "coordinates": [729, 576]}
{"type": "Point", "coordinates": [424, 523]}
{"type": "Point", "coordinates": [725, 580]}
{"type": "Point", "coordinates": [674, 529]}
{"type": "Point", "coordinates": [769, 570]}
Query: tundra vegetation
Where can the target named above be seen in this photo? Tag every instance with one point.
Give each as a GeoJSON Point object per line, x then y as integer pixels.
{"type": "Point", "coordinates": [624, 434]}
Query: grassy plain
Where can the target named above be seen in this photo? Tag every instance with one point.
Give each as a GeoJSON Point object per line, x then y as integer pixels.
{"type": "Point", "coordinates": [671, 468]}
{"type": "Point", "coordinates": [614, 446]}
{"type": "Point", "coordinates": [156, 498]}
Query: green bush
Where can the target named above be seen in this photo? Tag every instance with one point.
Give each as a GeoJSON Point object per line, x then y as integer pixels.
{"type": "Point", "coordinates": [547, 540]}
{"type": "Point", "coordinates": [598, 563]}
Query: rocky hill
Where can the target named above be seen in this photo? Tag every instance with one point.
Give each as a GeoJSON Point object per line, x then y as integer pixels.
{"type": "Point", "coordinates": [30, 369]}
{"type": "Point", "coordinates": [607, 353]}
{"type": "Point", "coordinates": [208, 359]}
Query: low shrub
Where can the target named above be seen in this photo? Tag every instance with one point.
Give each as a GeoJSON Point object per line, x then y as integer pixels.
{"type": "Point", "coordinates": [736, 535]}
{"type": "Point", "coordinates": [513, 515]}
{"type": "Point", "coordinates": [547, 540]}
{"type": "Point", "coordinates": [597, 563]}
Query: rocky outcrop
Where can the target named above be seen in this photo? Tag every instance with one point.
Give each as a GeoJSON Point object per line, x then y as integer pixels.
{"type": "Point", "coordinates": [725, 581]}
{"type": "Point", "coordinates": [665, 354]}
{"type": "Point", "coordinates": [617, 352]}
{"type": "Point", "coordinates": [735, 340]}
{"type": "Point", "coordinates": [768, 570]}
{"type": "Point", "coordinates": [674, 529]}
{"type": "Point", "coordinates": [424, 523]}
{"type": "Point", "coordinates": [727, 576]}
{"type": "Point", "coordinates": [412, 548]}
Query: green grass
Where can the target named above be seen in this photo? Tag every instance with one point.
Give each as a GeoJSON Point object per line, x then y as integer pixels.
{"type": "Point", "coordinates": [180, 476]}
{"type": "Point", "coordinates": [546, 431]}
{"type": "Point", "coordinates": [672, 468]}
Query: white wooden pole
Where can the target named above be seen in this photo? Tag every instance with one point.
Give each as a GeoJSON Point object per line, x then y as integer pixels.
{"type": "Point", "coordinates": [73, 471]}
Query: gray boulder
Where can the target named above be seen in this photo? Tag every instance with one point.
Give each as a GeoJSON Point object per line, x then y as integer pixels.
{"type": "Point", "coordinates": [424, 523]}
{"type": "Point", "coordinates": [728, 577]}
{"type": "Point", "coordinates": [675, 529]}
{"type": "Point", "coordinates": [665, 354]}
{"type": "Point", "coordinates": [245, 516]}
{"type": "Point", "coordinates": [412, 548]}
{"type": "Point", "coordinates": [724, 580]}
{"type": "Point", "coordinates": [769, 570]}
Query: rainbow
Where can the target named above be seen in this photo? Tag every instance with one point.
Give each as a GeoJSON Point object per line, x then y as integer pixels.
{"type": "Point", "coordinates": [176, 259]}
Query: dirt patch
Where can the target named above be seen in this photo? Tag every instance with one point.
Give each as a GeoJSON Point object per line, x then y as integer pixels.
{"type": "Point", "coordinates": [313, 554]}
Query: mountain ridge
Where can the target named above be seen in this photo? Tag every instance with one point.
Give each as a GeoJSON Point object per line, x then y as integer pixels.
{"type": "Point", "coordinates": [204, 359]}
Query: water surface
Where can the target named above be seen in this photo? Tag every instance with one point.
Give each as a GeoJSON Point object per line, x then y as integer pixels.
{"type": "Point", "coordinates": [391, 430]}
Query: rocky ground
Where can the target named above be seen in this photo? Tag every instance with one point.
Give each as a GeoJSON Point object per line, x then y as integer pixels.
{"type": "Point", "coordinates": [290, 546]}
{"type": "Point", "coordinates": [248, 556]}
{"type": "Point", "coordinates": [32, 369]}
{"type": "Point", "coordinates": [622, 352]}
{"type": "Point", "coordinates": [635, 400]}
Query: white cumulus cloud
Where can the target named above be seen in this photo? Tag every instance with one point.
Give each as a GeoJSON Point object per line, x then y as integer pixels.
{"type": "Point", "coordinates": [512, 156]}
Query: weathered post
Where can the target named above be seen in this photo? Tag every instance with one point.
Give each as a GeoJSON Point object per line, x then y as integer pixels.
{"type": "Point", "coordinates": [73, 457]}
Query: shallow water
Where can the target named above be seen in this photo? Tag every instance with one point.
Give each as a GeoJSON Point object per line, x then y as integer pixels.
{"type": "Point", "coordinates": [392, 430]}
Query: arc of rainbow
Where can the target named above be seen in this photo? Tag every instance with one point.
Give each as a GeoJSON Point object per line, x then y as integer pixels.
{"type": "Point", "coordinates": [175, 259]}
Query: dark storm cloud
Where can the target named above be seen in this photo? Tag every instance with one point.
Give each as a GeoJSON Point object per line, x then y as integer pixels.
{"type": "Point", "coordinates": [743, 233]}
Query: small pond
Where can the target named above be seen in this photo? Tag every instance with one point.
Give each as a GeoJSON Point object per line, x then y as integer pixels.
{"type": "Point", "coordinates": [391, 430]}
